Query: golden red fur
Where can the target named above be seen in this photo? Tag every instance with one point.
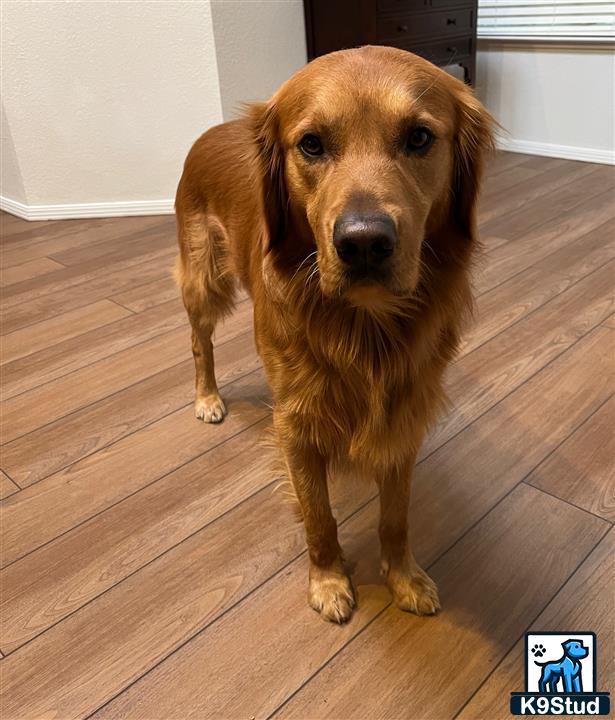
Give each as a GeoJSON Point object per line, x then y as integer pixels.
{"type": "Point", "coordinates": [355, 361]}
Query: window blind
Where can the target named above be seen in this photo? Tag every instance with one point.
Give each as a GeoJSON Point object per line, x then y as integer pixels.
{"type": "Point", "coordinates": [555, 20]}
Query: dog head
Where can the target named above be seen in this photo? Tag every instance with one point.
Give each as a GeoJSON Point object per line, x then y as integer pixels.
{"type": "Point", "coordinates": [575, 649]}
{"type": "Point", "coordinates": [371, 161]}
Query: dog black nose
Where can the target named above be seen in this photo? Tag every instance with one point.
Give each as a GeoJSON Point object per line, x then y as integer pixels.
{"type": "Point", "coordinates": [364, 239]}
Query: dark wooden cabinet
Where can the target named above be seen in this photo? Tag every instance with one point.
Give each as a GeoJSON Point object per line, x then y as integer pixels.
{"type": "Point", "coordinates": [442, 31]}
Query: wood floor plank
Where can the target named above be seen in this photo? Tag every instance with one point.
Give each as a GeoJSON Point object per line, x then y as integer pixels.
{"type": "Point", "coordinates": [523, 293]}
{"type": "Point", "coordinates": [154, 244]}
{"type": "Point", "coordinates": [7, 486]}
{"type": "Point", "coordinates": [29, 232]}
{"type": "Point", "coordinates": [582, 470]}
{"type": "Point", "coordinates": [545, 182]}
{"type": "Point", "coordinates": [157, 292]}
{"type": "Point", "coordinates": [178, 594]}
{"type": "Point", "coordinates": [90, 384]}
{"type": "Point", "coordinates": [488, 592]}
{"type": "Point", "coordinates": [33, 311]}
{"type": "Point", "coordinates": [40, 589]}
{"type": "Point", "coordinates": [28, 270]}
{"type": "Point", "coordinates": [62, 443]}
{"type": "Point", "coordinates": [148, 295]}
{"type": "Point", "coordinates": [505, 181]}
{"type": "Point", "coordinates": [487, 374]}
{"type": "Point", "coordinates": [271, 670]}
{"type": "Point", "coordinates": [112, 374]}
{"type": "Point", "coordinates": [610, 321]}
{"type": "Point", "coordinates": [61, 501]}
{"type": "Point", "coordinates": [14, 228]}
{"type": "Point", "coordinates": [491, 241]}
{"type": "Point", "coordinates": [506, 260]}
{"type": "Point", "coordinates": [452, 490]}
{"type": "Point", "coordinates": [501, 161]}
{"type": "Point", "coordinates": [50, 332]}
{"type": "Point", "coordinates": [548, 208]}
{"type": "Point", "coordinates": [543, 163]}
{"type": "Point", "coordinates": [34, 241]}
{"type": "Point", "coordinates": [65, 357]}
{"type": "Point", "coordinates": [586, 601]}
{"type": "Point", "coordinates": [8, 221]}
{"type": "Point", "coordinates": [118, 248]}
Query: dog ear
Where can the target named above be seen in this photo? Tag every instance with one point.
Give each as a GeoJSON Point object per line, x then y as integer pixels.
{"type": "Point", "coordinates": [269, 160]}
{"type": "Point", "coordinates": [473, 142]}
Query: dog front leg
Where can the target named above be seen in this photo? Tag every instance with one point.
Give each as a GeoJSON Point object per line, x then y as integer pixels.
{"type": "Point", "coordinates": [330, 591]}
{"type": "Point", "coordinates": [412, 589]}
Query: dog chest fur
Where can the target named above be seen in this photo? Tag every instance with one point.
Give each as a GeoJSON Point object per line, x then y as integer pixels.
{"type": "Point", "coordinates": [353, 385]}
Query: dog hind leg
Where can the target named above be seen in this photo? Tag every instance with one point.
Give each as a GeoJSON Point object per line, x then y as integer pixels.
{"type": "Point", "coordinates": [208, 289]}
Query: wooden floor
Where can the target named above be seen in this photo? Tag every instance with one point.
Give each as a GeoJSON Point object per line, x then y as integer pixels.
{"type": "Point", "coordinates": [150, 568]}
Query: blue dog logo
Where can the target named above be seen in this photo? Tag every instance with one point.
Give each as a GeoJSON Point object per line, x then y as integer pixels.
{"type": "Point", "coordinates": [567, 669]}
{"type": "Point", "coordinates": [560, 675]}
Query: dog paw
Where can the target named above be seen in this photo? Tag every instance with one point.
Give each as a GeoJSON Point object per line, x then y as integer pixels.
{"type": "Point", "coordinates": [416, 592]}
{"type": "Point", "coordinates": [210, 409]}
{"type": "Point", "coordinates": [330, 593]}
{"type": "Point", "coordinates": [538, 650]}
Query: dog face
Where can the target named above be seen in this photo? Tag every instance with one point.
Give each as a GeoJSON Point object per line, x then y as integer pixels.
{"type": "Point", "coordinates": [575, 649]}
{"type": "Point", "coordinates": [367, 153]}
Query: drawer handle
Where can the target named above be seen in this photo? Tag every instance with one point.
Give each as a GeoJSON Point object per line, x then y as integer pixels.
{"type": "Point", "coordinates": [451, 21]}
{"type": "Point", "coordinates": [402, 28]}
{"type": "Point", "coordinates": [451, 49]}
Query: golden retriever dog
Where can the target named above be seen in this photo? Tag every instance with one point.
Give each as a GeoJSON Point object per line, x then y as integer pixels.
{"type": "Point", "coordinates": [346, 207]}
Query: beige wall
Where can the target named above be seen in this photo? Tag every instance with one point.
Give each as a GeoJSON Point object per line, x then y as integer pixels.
{"type": "Point", "coordinates": [11, 182]}
{"type": "Point", "coordinates": [258, 46]}
{"type": "Point", "coordinates": [552, 99]}
{"type": "Point", "coordinates": [102, 100]}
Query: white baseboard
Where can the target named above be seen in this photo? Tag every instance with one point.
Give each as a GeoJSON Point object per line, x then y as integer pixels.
{"type": "Point", "coordinates": [86, 210]}
{"type": "Point", "coordinates": [567, 152]}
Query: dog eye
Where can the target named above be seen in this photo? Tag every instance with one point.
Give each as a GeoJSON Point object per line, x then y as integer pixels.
{"type": "Point", "coordinates": [418, 139]}
{"type": "Point", "coordinates": [311, 146]}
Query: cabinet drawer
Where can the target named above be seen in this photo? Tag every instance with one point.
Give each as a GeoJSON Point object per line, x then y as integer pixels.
{"type": "Point", "coordinates": [403, 5]}
{"type": "Point", "coordinates": [442, 53]}
{"type": "Point", "coordinates": [418, 5]}
{"type": "Point", "coordinates": [423, 25]}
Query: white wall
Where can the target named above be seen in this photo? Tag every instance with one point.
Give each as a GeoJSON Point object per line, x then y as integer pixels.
{"type": "Point", "coordinates": [258, 46]}
{"type": "Point", "coordinates": [553, 99]}
{"type": "Point", "coordinates": [103, 99]}
{"type": "Point", "coordinates": [11, 182]}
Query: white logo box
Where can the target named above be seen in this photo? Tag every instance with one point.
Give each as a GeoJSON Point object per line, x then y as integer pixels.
{"type": "Point", "coordinates": [553, 651]}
